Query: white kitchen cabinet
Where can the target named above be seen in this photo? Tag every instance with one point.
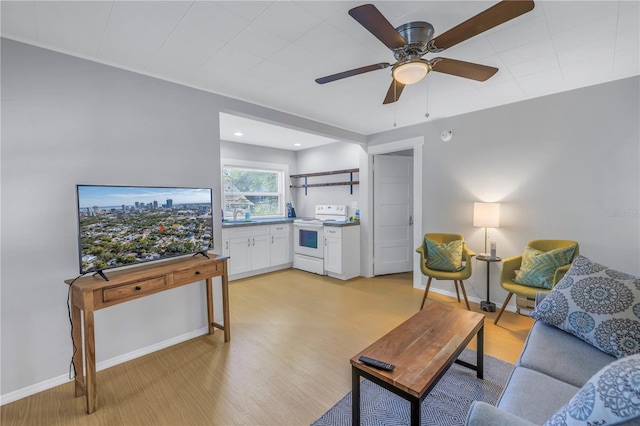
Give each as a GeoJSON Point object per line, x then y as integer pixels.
{"type": "Point", "coordinates": [225, 242]}
{"type": "Point", "coordinates": [248, 249]}
{"type": "Point", "coordinates": [256, 249]}
{"type": "Point", "coordinates": [281, 244]}
{"type": "Point", "coordinates": [260, 251]}
{"type": "Point", "coordinates": [342, 251]}
{"type": "Point", "coordinates": [239, 255]}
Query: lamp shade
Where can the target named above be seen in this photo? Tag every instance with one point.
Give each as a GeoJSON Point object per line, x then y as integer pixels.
{"type": "Point", "coordinates": [411, 72]}
{"type": "Point", "coordinates": [486, 215]}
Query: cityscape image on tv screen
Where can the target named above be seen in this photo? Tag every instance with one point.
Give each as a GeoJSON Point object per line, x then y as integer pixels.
{"type": "Point", "coordinates": [123, 225]}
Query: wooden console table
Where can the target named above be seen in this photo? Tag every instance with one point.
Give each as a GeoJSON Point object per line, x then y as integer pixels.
{"type": "Point", "coordinates": [88, 294]}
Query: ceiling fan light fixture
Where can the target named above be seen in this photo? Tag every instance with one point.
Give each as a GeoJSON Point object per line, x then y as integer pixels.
{"type": "Point", "coordinates": [411, 72]}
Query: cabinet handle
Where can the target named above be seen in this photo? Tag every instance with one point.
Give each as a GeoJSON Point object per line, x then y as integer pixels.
{"type": "Point", "coordinates": [138, 288]}
{"type": "Point", "coordinates": [227, 244]}
{"type": "Point", "coordinates": [197, 272]}
{"type": "Point", "coordinates": [248, 242]}
{"type": "Point", "coordinates": [272, 239]}
{"type": "Point", "coordinates": [254, 242]}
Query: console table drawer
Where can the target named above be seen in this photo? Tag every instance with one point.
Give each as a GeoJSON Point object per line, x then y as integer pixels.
{"type": "Point", "coordinates": [200, 271]}
{"type": "Point", "coordinates": [129, 290]}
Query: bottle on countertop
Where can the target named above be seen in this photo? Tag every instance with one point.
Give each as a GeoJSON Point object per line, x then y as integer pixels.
{"type": "Point", "coordinates": [358, 214]}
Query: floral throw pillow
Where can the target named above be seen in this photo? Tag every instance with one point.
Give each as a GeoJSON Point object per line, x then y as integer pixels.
{"type": "Point", "coordinates": [611, 396]}
{"type": "Point", "coordinates": [596, 304]}
{"type": "Point", "coordinates": [539, 267]}
{"type": "Point", "coordinates": [444, 256]}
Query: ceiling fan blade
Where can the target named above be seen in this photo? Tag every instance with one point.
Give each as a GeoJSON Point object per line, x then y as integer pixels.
{"type": "Point", "coordinates": [394, 92]}
{"type": "Point", "coordinates": [370, 17]}
{"type": "Point", "coordinates": [494, 16]}
{"type": "Point", "coordinates": [350, 73]}
{"type": "Point", "coordinates": [463, 69]}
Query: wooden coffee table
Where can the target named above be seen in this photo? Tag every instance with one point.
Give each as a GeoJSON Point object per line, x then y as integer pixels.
{"type": "Point", "coordinates": [422, 350]}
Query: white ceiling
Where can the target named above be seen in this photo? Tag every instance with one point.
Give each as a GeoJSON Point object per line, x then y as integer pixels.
{"type": "Point", "coordinates": [243, 130]}
{"type": "Point", "coordinates": [270, 52]}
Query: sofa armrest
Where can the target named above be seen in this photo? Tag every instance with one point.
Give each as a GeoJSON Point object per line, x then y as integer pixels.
{"type": "Point", "coordinates": [483, 414]}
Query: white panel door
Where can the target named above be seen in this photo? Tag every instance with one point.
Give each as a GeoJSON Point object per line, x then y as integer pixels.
{"type": "Point", "coordinates": [392, 210]}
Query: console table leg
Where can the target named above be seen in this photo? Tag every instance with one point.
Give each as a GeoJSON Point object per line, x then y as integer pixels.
{"type": "Point", "coordinates": [209, 286]}
{"type": "Point", "coordinates": [76, 334]}
{"type": "Point", "coordinates": [90, 360]}
{"type": "Point", "coordinates": [225, 304]}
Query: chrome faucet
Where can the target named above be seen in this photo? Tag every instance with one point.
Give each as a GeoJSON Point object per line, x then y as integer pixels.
{"type": "Point", "coordinates": [235, 214]}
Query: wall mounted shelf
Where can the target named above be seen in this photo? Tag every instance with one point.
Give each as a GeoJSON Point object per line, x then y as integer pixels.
{"type": "Point", "coordinates": [306, 184]}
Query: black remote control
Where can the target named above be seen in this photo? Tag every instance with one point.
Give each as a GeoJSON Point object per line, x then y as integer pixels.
{"type": "Point", "coordinates": [376, 363]}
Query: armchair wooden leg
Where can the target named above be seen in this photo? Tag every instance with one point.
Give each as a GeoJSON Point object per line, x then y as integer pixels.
{"type": "Point", "coordinates": [455, 282]}
{"type": "Point", "coordinates": [464, 293]}
{"type": "Point", "coordinates": [426, 291]}
{"type": "Point", "coordinates": [504, 305]}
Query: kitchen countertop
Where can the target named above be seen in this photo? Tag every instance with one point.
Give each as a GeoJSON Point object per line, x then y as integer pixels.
{"type": "Point", "coordinates": [256, 222]}
{"type": "Point", "coordinates": [273, 221]}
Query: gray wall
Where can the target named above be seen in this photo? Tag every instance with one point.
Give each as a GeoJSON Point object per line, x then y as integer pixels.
{"type": "Point", "coordinates": [560, 164]}
{"type": "Point", "coordinates": [67, 121]}
{"type": "Point", "coordinates": [564, 166]}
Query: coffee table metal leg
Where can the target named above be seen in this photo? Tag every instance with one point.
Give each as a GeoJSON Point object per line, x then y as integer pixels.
{"type": "Point", "coordinates": [480, 354]}
{"type": "Point", "coordinates": [355, 397]}
{"type": "Point", "coordinates": [415, 412]}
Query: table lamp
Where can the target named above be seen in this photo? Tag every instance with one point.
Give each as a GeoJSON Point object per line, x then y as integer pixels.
{"type": "Point", "coordinates": [486, 215]}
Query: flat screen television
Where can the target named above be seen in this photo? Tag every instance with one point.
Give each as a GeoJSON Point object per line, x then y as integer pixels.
{"type": "Point", "coordinates": [126, 225]}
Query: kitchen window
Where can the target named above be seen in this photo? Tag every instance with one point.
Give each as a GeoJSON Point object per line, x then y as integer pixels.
{"type": "Point", "coordinates": [254, 188]}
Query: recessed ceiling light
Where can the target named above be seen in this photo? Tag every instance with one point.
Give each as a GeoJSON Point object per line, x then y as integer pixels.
{"type": "Point", "coordinates": [297, 144]}
{"type": "Point", "coordinates": [237, 134]}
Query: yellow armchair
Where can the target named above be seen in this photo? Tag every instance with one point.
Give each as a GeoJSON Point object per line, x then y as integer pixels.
{"type": "Point", "coordinates": [456, 276]}
{"type": "Point", "coordinates": [512, 264]}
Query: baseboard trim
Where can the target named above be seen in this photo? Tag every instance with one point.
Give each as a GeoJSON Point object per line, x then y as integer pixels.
{"type": "Point", "coordinates": [510, 307]}
{"type": "Point", "coordinates": [60, 380]}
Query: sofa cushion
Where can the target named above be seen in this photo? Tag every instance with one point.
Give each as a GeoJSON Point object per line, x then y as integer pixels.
{"type": "Point", "coordinates": [534, 396]}
{"type": "Point", "coordinates": [561, 355]}
{"type": "Point", "coordinates": [611, 396]}
{"type": "Point", "coordinates": [539, 267]}
{"type": "Point", "coordinates": [598, 305]}
{"type": "Point", "coordinates": [444, 256]}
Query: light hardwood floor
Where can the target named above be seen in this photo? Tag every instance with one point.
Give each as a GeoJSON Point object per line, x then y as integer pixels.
{"type": "Point", "coordinates": [287, 363]}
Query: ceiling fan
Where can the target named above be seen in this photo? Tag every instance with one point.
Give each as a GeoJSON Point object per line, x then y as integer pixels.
{"type": "Point", "coordinates": [411, 41]}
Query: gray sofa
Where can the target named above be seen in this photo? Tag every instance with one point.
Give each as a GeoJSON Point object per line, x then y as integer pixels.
{"type": "Point", "coordinates": [552, 367]}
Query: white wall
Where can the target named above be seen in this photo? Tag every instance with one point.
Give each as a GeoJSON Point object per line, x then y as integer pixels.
{"type": "Point", "coordinates": [565, 166]}
{"type": "Point", "coordinates": [337, 156]}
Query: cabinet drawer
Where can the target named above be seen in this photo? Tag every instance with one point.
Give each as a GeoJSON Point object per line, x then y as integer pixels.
{"type": "Point", "coordinates": [330, 231]}
{"type": "Point", "coordinates": [248, 231]}
{"type": "Point", "coordinates": [138, 287]}
{"type": "Point", "coordinates": [199, 272]}
{"type": "Point", "coordinates": [280, 229]}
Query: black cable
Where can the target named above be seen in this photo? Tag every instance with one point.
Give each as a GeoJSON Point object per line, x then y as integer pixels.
{"type": "Point", "coordinates": [72, 365]}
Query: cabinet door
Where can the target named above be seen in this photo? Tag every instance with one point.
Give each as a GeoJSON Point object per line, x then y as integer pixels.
{"type": "Point", "coordinates": [239, 255]}
{"type": "Point", "coordinates": [260, 256]}
{"type": "Point", "coordinates": [281, 244]}
{"type": "Point", "coordinates": [333, 254]}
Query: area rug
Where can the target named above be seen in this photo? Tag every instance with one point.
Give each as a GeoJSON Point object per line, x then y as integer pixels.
{"type": "Point", "coordinates": [447, 404]}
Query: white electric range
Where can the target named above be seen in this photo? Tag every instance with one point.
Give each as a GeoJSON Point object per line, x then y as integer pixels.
{"type": "Point", "coordinates": [308, 237]}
